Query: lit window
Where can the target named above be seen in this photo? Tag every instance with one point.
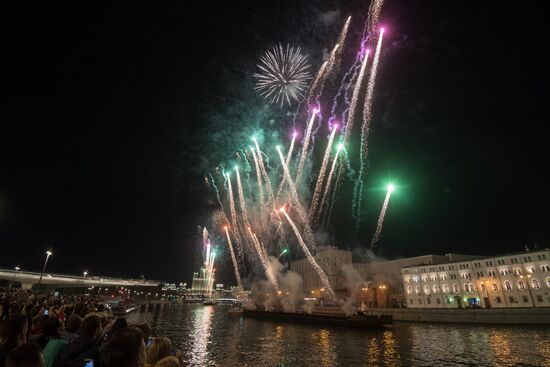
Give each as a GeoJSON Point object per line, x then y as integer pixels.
{"type": "Point", "coordinates": [521, 285]}
{"type": "Point", "coordinates": [426, 289]}
{"type": "Point", "coordinates": [548, 282]}
{"type": "Point", "coordinates": [455, 288]}
{"type": "Point", "coordinates": [409, 290]}
{"type": "Point", "coordinates": [445, 288]}
{"type": "Point", "coordinates": [535, 283]}
{"type": "Point", "coordinates": [507, 286]}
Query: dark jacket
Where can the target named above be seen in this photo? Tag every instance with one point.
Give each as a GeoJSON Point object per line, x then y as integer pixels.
{"type": "Point", "coordinates": [76, 352]}
{"type": "Point", "coordinates": [5, 349]}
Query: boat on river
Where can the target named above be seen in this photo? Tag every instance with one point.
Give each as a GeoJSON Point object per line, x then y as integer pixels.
{"type": "Point", "coordinates": [356, 321]}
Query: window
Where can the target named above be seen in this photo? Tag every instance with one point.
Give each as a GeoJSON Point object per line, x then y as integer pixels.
{"type": "Point", "coordinates": [499, 300]}
{"type": "Point", "coordinates": [530, 269]}
{"type": "Point", "coordinates": [545, 268]}
{"type": "Point", "coordinates": [492, 273]}
{"type": "Point", "coordinates": [535, 284]}
{"type": "Point", "coordinates": [443, 276]}
{"type": "Point", "coordinates": [429, 301]}
{"type": "Point", "coordinates": [438, 301]}
{"type": "Point", "coordinates": [417, 289]}
{"type": "Point", "coordinates": [507, 286]}
{"type": "Point", "coordinates": [415, 278]}
{"type": "Point", "coordinates": [424, 278]}
{"type": "Point", "coordinates": [539, 298]}
{"type": "Point", "coordinates": [525, 300]}
{"type": "Point", "coordinates": [483, 287]}
{"type": "Point", "coordinates": [411, 301]}
{"type": "Point", "coordinates": [521, 285]}
{"type": "Point", "coordinates": [433, 277]}
{"type": "Point", "coordinates": [517, 271]}
{"type": "Point", "coordinates": [436, 289]}
{"type": "Point", "coordinates": [512, 299]}
{"type": "Point", "coordinates": [455, 288]}
{"type": "Point", "coordinates": [548, 282]}
{"type": "Point", "coordinates": [495, 287]}
{"type": "Point", "coordinates": [426, 289]}
{"type": "Point", "coordinates": [445, 288]}
{"type": "Point", "coordinates": [503, 271]}
{"type": "Point", "coordinates": [409, 290]}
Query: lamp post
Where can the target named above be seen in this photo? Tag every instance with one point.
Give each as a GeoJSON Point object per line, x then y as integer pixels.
{"type": "Point", "coordinates": [529, 289]}
{"type": "Point", "coordinates": [487, 300]}
{"type": "Point", "coordinates": [48, 254]}
{"type": "Point", "coordinates": [383, 287]}
{"type": "Point", "coordinates": [13, 279]}
{"type": "Point", "coordinates": [83, 278]}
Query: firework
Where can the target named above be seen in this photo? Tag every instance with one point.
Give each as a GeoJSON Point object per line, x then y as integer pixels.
{"type": "Point", "coordinates": [382, 215]}
{"type": "Point", "coordinates": [367, 117]}
{"type": "Point", "coordinates": [310, 257]}
{"type": "Point", "coordinates": [283, 75]}
{"type": "Point", "coordinates": [282, 80]}
{"type": "Point", "coordinates": [321, 176]}
{"type": "Point", "coordinates": [234, 259]}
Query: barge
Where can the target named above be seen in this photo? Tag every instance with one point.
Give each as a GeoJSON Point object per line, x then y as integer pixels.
{"type": "Point", "coordinates": [357, 321]}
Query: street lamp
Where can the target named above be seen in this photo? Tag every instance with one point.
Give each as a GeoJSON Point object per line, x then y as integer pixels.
{"type": "Point", "coordinates": [48, 254]}
{"type": "Point", "coordinates": [529, 289]}
{"type": "Point", "coordinates": [83, 278]}
{"type": "Point", "coordinates": [14, 274]}
{"type": "Point", "coordinates": [488, 300]}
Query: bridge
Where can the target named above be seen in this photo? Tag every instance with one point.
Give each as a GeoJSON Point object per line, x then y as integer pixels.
{"type": "Point", "coordinates": [28, 279]}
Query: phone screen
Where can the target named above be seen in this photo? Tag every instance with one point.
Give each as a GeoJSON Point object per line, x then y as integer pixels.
{"type": "Point", "coordinates": [46, 312]}
{"type": "Point", "coordinates": [88, 363]}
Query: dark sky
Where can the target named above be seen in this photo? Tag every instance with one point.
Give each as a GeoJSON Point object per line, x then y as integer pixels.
{"type": "Point", "coordinates": [107, 115]}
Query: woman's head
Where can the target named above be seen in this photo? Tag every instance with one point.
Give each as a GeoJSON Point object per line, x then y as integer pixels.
{"type": "Point", "coordinates": [73, 323]}
{"type": "Point", "coordinates": [169, 361]}
{"type": "Point", "coordinates": [159, 348]}
{"type": "Point", "coordinates": [91, 327]}
{"type": "Point", "coordinates": [14, 329]}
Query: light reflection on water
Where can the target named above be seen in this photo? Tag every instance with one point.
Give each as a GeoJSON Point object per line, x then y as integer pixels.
{"type": "Point", "coordinates": [209, 337]}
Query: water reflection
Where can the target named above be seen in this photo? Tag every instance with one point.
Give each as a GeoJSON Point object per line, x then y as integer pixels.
{"type": "Point", "coordinates": [208, 337]}
{"type": "Point", "coordinates": [202, 320]}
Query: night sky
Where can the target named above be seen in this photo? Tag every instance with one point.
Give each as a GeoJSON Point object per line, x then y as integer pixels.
{"type": "Point", "coordinates": [112, 116]}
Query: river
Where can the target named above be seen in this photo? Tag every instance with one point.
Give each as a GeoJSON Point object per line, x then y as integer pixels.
{"type": "Point", "coordinates": [209, 337]}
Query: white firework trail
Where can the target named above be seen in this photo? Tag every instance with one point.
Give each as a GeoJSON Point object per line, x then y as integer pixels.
{"type": "Point", "coordinates": [288, 158]}
{"type": "Point", "coordinates": [264, 174]}
{"type": "Point", "coordinates": [329, 181]}
{"type": "Point", "coordinates": [355, 98]}
{"type": "Point", "coordinates": [381, 217]}
{"type": "Point", "coordinates": [234, 259]}
{"type": "Point", "coordinates": [259, 179]}
{"type": "Point", "coordinates": [305, 147]}
{"type": "Point", "coordinates": [283, 75]}
{"type": "Point", "coordinates": [263, 258]}
{"type": "Point", "coordinates": [295, 200]}
{"type": "Point", "coordinates": [242, 202]}
{"type": "Point", "coordinates": [321, 177]}
{"type": "Point", "coordinates": [232, 209]}
{"type": "Point", "coordinates": [320, 272]}
{"type": "Point", "coordinates": [367, 118]}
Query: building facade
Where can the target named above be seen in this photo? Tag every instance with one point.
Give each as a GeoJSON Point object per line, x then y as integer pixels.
{"type": "Point", "coordinates": [515, 280]}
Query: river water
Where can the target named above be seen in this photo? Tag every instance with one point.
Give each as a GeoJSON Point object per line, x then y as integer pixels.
{"type": "Point", "coordinates": [209, 337]}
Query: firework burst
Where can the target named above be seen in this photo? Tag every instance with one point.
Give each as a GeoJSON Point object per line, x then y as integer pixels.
{"type": "Point", "coordinates": [283, 75]}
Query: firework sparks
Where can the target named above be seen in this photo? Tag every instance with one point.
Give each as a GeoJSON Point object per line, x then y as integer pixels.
{"type": "Point", "coordinates": [283, 76]}
{"type": "Point", "coordinates": [382, 215]}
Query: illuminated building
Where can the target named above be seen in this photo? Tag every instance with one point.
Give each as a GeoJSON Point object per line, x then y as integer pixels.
{"type": "Point", "coordinates": [514, 280]}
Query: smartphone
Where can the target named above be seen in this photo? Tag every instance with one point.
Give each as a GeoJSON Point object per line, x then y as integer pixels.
{"type": "Point", "coordinates": [88, 362]}
{"type": "Point", "coordinates": [46, 312]}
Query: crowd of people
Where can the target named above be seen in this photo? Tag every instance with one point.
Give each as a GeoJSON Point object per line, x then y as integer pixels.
{"type": "Point", "coordinates": [47, 331]}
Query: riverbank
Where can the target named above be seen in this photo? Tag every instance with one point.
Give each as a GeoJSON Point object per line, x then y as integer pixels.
{"type": "Point", "coordinates": [498, 316]}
